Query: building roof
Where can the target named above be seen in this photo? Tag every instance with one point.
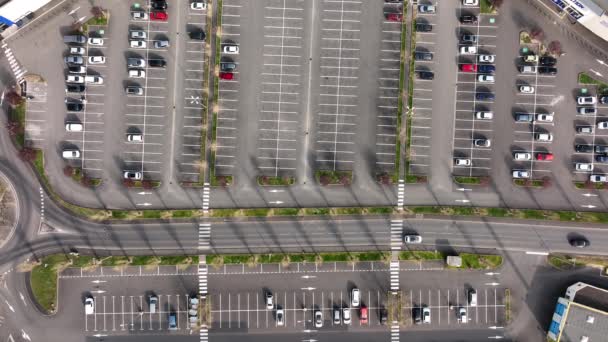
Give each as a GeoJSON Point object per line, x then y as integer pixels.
{"type": "Point", "coordinates": [592, 297]}
{"type": "Point", "coordinates": [16, 9]}
{"type": "Point", "coordinates": [583, 322]}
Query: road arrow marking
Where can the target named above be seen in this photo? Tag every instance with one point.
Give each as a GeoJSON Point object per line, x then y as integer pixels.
{"type": "Point", "coordinates": [308, 276]}
{"type": "Point", "coordinates": [590, 195]}
{"type": "Point", "coordinates": [144, 193]}
{"type": "Point", "coordinates": [308, 288]}
{"type": "Point", "coordinates": [590, 206]}
{"type": "Point", "coordinates": [597, 73]}
{"type": "Point", "coordinates": [22, 298]}
{"type": "Point", "coordinates": [98, 291]}
{"type": "Point", "coordinates": [97, 281]}
{"type": "Point", "coordinates": [492, 284]}
{"type": "Point", "coordinates": [145, 204]}
{"type": "Point", "coordinates": [9, 306]}
{"type": "Point", "coordinates": [73, 11]}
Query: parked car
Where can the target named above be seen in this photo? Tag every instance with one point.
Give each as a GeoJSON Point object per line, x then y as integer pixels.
{"type": "Point", "coordinates": [96, 41]}
{"type": "Point", "coordinates": [426, 315]}
{"type": "Point", "coordinates": [531, 58]}
{"type": "Point", "coordinates": [426, 75]}
{"type": "Point", "coordinates": [157, 63]}
{"type": "Point", "coordinates": [583, 167]}
{"type": "Point", "coordinates": [89, 305]}
{"type": "Point", "coordinates": [487, 69]}
{"type": "Point", "coordinates": [158, 16]}
{"type": "Point", "coordinates": [484, 96]}
{"type": "Point", "coordinates": [135, 137]}
{"type": "Point", "coordinates": [412, 239]}
{"type": "Point", "coordinates": [77, 69]}
{"type": "Point", "coordinates": [524, 117]}
{"type": "Point", "coordinates": [527, 69]}
{"type": "Point", "coordinates": [604, 99]}
{"type": "Point", "coordinates": [134, 175]}
{"type": "Point", "coordinates": [423, 56]}
{"type": "Point", "coordinates": [269, 301]}
{"type": "Point", "coordinates": [78, 50]}
{"type": "Point", "coordinates": [74, 59]}
{"type": "Point", "coordinates": [431, 9]}
{"type": "Point", "coordinates": [485, 78]}
{"type": "Point", "coordinates": [74, 106]}
{"type": "Point", "coordinates": [587, 110]}
{"type": "Point", "coordinates": [136, 63]}
{"type": "Point", "coordinates": [543, 137]}
{"type": "Point", "coordinates": [462, 162]}
{"type": "Point", "coordinates": [602, 158]}
{"type": "Point", "coordinates": [318, 319]}
{"type": "Point", "coordinates": [519, 174]}
{"type": "Point", "coordinates": [526, 89]}
{"type": "Point", "coordinates": [74, 88]}
{"type": "Point", "coordinates": [161, 44]}
{"type": "Point", "coordinates": [355, 297]}
{"type": "Point", "coordinates": [462, 315]}
{"type": "Point", "coordinates": [484, 115]}
{"type": "Point", "coordinates": [231, 49]}
{"type": "Point", "coordinates": [226, 75]}
{"type": "Point", "coordinates": [468, 67]}
{"type": "Point", "coordinates": [583, 148]}
{"type": "Point", "coordinates": [337, 318]}
{"type": "Point", "coordinates": [346, 316]}
{"type": "Point", "coordinates": [74, 79]}
{"type": "Point", "coordinates": [159, 4]}
{"type": "Point", "coordinates": [363, 315]}
{"type": "Point", "coordinates": [547, 70]}
{"type": "Point", "coordinates": [136, 73]}
{"type": "Point", "coordinates": [482, 142]}
{"type": "Point", "coordinates": [138, 44]}
{"type": "Point", "coordinates": [602, 125]}
{"type": "Point", "coordinates": [75, 39]}
{"type": "Point", "coordinates": [468, 19]}
{"type": "Point", "coordinates": [486, 58]}
{"type": "Point", "coordinates": [544, 156]}
{"type": "Point", "coordinates": [394, 17]}
{"type": "Point", "coordinates": [584, 129]}
{"type": "Point", "coordinates": [139, 15]}
{"type": "Point", "coordinates": [597, 179]}
{"type": "Point", "coordinates": [472, 297]}
{"type": "Point", "coordinates": [470, 2]}
{"type": "Point", "coordinates": [197, 35]}
{"type": "Point", "coordinates": [417, 315]}
{"type": "Point", "coordinates": [70, 154]}
{"type": "Point", "coordinates": [547, 61]}
{"type": "Point", "coordinates": [601, 149]}
{"type": "Point", "coordinates": [73, 127]}
{"type": "Point", "coordinates": [280, 317]}
{"type": "Point", "coordinates": [468, 38]}
{"type": "Point", "coordinates": [586, 100]}
{"type": "Point", "coordinates": [93, 79]}
{"type": "Point", "coordinates": [423, 27]}
{"type": "Point", "coordinates": [172, 325]}
{"type": "Point", "coordinates": [227, 66]}
{"type": "Point", "coordinates": [97, 60]}
{"type": "Point", "coordinates": [468, 50]}
{"type": "Point", "coordinates": [137, 34]}
{"type": "Point", "coordinates": [519, 156]}
{"type": "Point", "coordinates": [134, 90]}
{"type": "Point", "coordinates": [544, 117]}
{"type": "Point", "coordinates": [198, 5]}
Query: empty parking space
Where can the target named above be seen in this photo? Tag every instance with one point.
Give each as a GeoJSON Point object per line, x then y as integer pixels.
{"type": "Point", "coordinates": [473, 128]}
{"type": "Point", "coordinates": [339, 74]}
{"type": "Point", "coordinates": [192, 74]}
{"type": "Point", "coordinates": [35, 113]}
{"type": "Point", "coordinates": [281, 89]}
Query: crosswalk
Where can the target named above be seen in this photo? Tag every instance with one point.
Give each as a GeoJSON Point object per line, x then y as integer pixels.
{"type": "Point", "coordinates": [394, 276]}
{"type": "Point", "coordinates": [206, 193]}
{"type": "Point", "coordinates": [203, 270]}
{"type": "Point", "coordinates": [396, 234]}
{"type": "Point", "coordinates": [18, 70]}
{"type": "Point", "coordinates": [395, 331]}
{"type": "Point", "coordinates": [400, 194]}
{"type": "Point", "coordinates": [204, 235]}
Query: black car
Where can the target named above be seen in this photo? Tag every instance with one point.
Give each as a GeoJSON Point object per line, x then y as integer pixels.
{"type": "Point", "coordinates": [579, 242]}
{"type": "Point", "coordinates": [486, 69]}
{"type": "Point", "coordinates": [159, 5]}
{"type": "Point", "coordinates": [468, 19]}
{"type": "Point", "coordinates": [426, 75]}
{"type": "Point", "coordinates": [468, 38]}
{"type": "Point", "coordinates": [603, 99]}
{"type": "Point", "coordinates": [157, 63]}
{"type": "Point", "coordinates": [484, 96]}
{"type": "Point", "coordinates": [74, 88]}
{"type": "Point", "coordinates": [74, 106]}
{"type": "Point", "coordinates": [227, 66]}
{"type": "Point", "coordinates": [383, 316]}
{"type": "Point", "coordinates": [601, 159]}
{"type": "Point", "coordinates": [583, 148]}
{"type": "Point", "coordinates": [547, 70]}
{"type": "Point", "coordinates": [198, 35]}
{"type": "Point", "coordinates": [423, 27]}
{"type": "Point", "coordinates": [423, 56]}
{"type": "Point", "coordinates": [547, 61]}
{"type": "Point", "coordinates": [417, 313]}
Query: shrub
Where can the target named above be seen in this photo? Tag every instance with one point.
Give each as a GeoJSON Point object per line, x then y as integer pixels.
{"type": "Point", "coordinates": [28, 154]}
{"type": "Point", "coordinates": [555, 48]}
{"type": "Point", "coordinates": [68, 171]}
{"type": "Point", "coordinates": [128, 183]}
{"type": "Point", "coordinates": [147, 184]}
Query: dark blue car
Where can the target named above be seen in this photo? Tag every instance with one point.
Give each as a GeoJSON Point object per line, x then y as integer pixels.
{"type": "Point", "coordinates": [486, 69]}
{"type": "Point", "coordinates": [484, 96]}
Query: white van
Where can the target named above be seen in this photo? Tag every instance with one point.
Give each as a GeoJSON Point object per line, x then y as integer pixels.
{"type": "Point", "coordinates": [472, 297]}
{"type": "Point", "coordinates": [355, 298]}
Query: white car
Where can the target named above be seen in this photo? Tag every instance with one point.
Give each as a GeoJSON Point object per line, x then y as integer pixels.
{"type": "Point", "coordinates": [526, 89]}
{"type": "Point", "coordinates": [522, 156]}
{"type": "Point", "coordinates": [280, 315]}
{"type": "Point", "coordinates": [602, 125]}
{"type": "Point", "coordinates": [74, 79]}
{"type": "Point", "coordinates": [482, 142]}
{"type": "Point", "coordinates": [231, 49]}
{"type": "Point", "coordinates": [138, 44]}
{"type": "Point", "coordinates": [138, 35]}
{"type": "Point", "coordinates": [486, 58]}
{"type": "Point", "coordinates": [93, 79]}
{"type": "Point", "coordinates": [527, 69]}
{"type": "Point", "coordinates": [77, 50]}
{"type": "Point", "coordinates": [198, 5]}
{"type": "Point", "coordinates": [74, 59]}
{"type": "Point", "coordinates": [426, 315]}
{"type": "Point", "coordinates": [134, 175]}
{"type": "Point", "coordinates": [470, 2]}
{"type": "Point", "coordinates": [318, 319]}
{"type": "Point", "coordinates": [346, 316]}
{"type": "Point", "coordinates": [134, 73]}
{"type": "Point", "coordinates": [586, 100]}
{"type": "Point", "coordinates": [412, 239]}
{"type": "Point", "coordinates": [462, 162]}
{"type": "Point", "coordinates": [269, 301]}
{"type": "Point", "coordinates": [468, 50]}
{"type": "Point", "coordinates": [543, 137]}
{"type": "Point", "coordinates": [97, 60]}
{"type": "Point", "coordinates": [139, 15]}
{"type": "Point", "coordinates": [135, 138]}
{"type": "Point", "coordinates": [70, 154]}
{"type": "Point", "coordinates": [462, 315]}
{"type": "Point", "coordinates": [544, 117]}
{"type": "Point", "coordinates": [484, 115]}
{"type": "Point", "coordinates": [355, 298]}
{"type": "Point", "coordinates": [583, 166]}
{"type": "Point", "coordinates": [597, 179]}
{"type": "Point", "coordinates": [517, 174]}
{"type": "Point", "coordinates": [96, 41]}
{"type": "Point", "coordinates": [427, 8]}
{"type": "Point", "coordinates": [485, 78]}
{"type": "Point", "coordinates": [73, 127]}
{"type": "Point", "coordinates": [89, 306]}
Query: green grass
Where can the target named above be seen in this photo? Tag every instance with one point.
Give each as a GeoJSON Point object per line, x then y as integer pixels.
{"type": "Point", "coordinates": [498, 212]}
{"type": "Point", "coordinates": [115, 261]}
{"type": "Point", "coordinates": [43, 280]}
{"type": "Point", "coordinates": [332, 257]}
{"type": "Point", "coordinates": [579, 185]}
{"type": "Point", "coordinates": [270, 258]}
{"type": "Point", "coordinates": [380, 210]}
{"type": "Point", "coordinates": [302, 257]}
{"type": "Point", "coordinates": [176, 260]}
{"type": "Point", "coordinates": [485, 6]}
{"type": "Point", "coordinates": [39, 162]}
{"type": "Point", "coordinates": [238, 259]}
{"type": "Point", "coordinates": [467, 180]}
{"type": "Point", "coordinates": [144, 260]}
{"type": "Point", "coordinates": [371, 256]}
{"type": "Point", "coordinates": [480, 261]}
{"type": "Point", "coordinates": [567, 215]}
{"type": "Point", "coordinates": [316, 211]}
{"type": "Point", "coordinates": [224, 212]}
{"type": "Point", "coordinates": [410, 104]}
{"type": "Point", "coordinates": [347, 211]}
{"type": "Point", "coordinates": [563, 261]}
{"type": "Point", "coordinates": [281, 181]}
{"type": "Point", "coordinates": [120, 214]}
{"type": "Point", "coordinates": [396, 175]}
{"type": "Point", "coordinates": [533, 214]}
{"type": "Point", "coordinates": [81, 261]}
{"type": "Point", "coordinates": [464, 211]}
{"type": "Point", "coordinates": [257, 212]}
{"type": "Point", "coordinates": [426, 210]}
{"type": "Point", "coordinates": [17, 114]}
{"type": "Point", "coordinates": [421, 255]}
{"type": "Point", "coordinates": [585, 79]}
{"type": "Point", "coordinates": [182, 213]}
{"type": "Point", "coordinates": [152, 214]}
{"type": "Point", "coordinates": [285, 211]}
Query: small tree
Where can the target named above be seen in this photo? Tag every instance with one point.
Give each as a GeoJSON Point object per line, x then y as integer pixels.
{"type": "Point", "coordinates": [324, 180]}
{"type": "Point", "coordinates": [589, 185]}
{"type": "Point", "coordinates": [14, 128]}
{"type": "Point", "coordinates": [86, 181]}
{"type": "Point", "coordinates": [146, 184]}
{"type": "Point", "coordinates": [537, 34]}
{"type": "Point", "coordinates": [484, 181]}
{"type": "Point", "coordinates": [13, 98]}
{"type": "Point", "coordinates": [98, 12]}
{"type": "Point", "coordinates": [555, 48]}
{"type": "Point", "coordinates": [222, 181]}
{"type": "Point", "coordinates": [495, 4]}
{"type": "Point", "coordinates": [128, 183]}
{"type": "Point", "coordinates": [27, 154]}
{"type": "Point", "coordinates": [68, 171]}
{"type": "Point", "coordinates": [264, 180]}
{"type": "Point", "coordinates": [384, 179]}
{"type": "Point", "coordinates": [345, 180]}
{"type": "Point", "coordinates": [547, 182]}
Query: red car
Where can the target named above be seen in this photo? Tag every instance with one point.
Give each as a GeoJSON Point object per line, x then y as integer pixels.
{"type": "Point", "coordinates": [226, 75]}
{"type": "Point", "coordinates": [394, 17]}
{"type": "Point", "coordinates": [158, 16]}
{"type": "Point", "coordinates": [363, 315]}
{"type": "Point", "coordinates": [468, 67]}
{"type": "Point", "coordinates": [544, 156]}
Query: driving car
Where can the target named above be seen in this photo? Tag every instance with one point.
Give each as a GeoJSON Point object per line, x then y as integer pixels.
{"type": "Point", "coordinates": [89, 305]}
{"type": "Point", "coordinates": [468, 67]}
{"type": "Point", "coordinates": [468, 19]}
{"type": "Point", "coordinates": [547, 61]}
{"type": "Point", "coordinates": [231, 49]}
{"type": "Point", "coordinates": [579, 242]}
{"type": "Point", "coordinates": [544, 156]}
{"type": "Point", "coordinates": [485, 78]}
{"type": "Point", "coordinates": [522, 156]}
{"type": "Point", "coordinates": [427, 8]}
{"type": "Point", "coordinates": [486, 58]}
{"type": "Point", "coordinates": [93, 79]}
{"type": "Point", "coordinates": [412, 238]}
{"type": "Point", "coordinates": [139, 15]}
{"type": "Point", "coordinates": [134, 90]}
{"type": "Point", "coordinates": [74, 59]}
{"type": "Point", "coordinates": [346, 315]}
{"type": "Point", "coordinates": [425, 75]}
{"type": "Point", "coordinates": [584, 129]}
{"type": "Point", "coordinates": [159, 44]}
{"type": "Point", "coordinates": [138, 44]}
{"type": "Point", "coordinates": [198, 5]}
{"type": "Point", "coordinates": [157, 63]}
{"type": "Point", "coordinates": [137, 34]}
{"type": "Point", "coordinates": [484, 96]}
{"type": "Point", "coordinates": [587, 110]}
{"type": "Point", "coordinates": [318, 319]}
{"type": "Point", "coordinates": [136, 63]}
{"type": "Point", "coordinates": [484, 115]}
{"type": "Point", "coordinates": [74, 88]}
{"type": "Point", "coordinates": [462, 162]}
{"type": "Point", "coordinates": [269, 301]}
{"type": "Point", "coordinates": [546, 137]}
{"type": "Point", "coordinates": [197, 35]}
{"type": "Point", "coordinates": [70, 154]}
{"type": "Point", "coordinates": [97, 60]}
{"type": "Point", "coordinates": [363, 315]}
{"type": "Point", "coordinates": [544, 117]}
{"type": "Point", "coordinates": [526, 89]}
{"type": "Point", "coordinates": [78, 50]}
{"type": "Point", "coordinates": [280, 317]}
{"type": "Point", "coordinates": [423, 56]}
{"type": "Point", "coordinates": [520, 174]}
{"type": "Point", "coordinates": [158, 16]}
{"type": "Point", "coordinates": [226, 75]}
{"type": "Point", "coordinates": [134, 175]}
{"type": "Point", "coordinates": [482, 142]}
{"type": "Point", "coordinates": [135, 73]}
{"type": "Point", "coordinates": [426, 315]}
{"type": "Point", "coordinates": [73, 127]}
{"type": "Point", "coordinates": [74, 79]}
{"type": "Point", "coordinates": [468, 50]}
{"type": "Point", "coordinates": [597, 178]}
{"type": "Point", "coordinates": [586, 100]}
{"type": "Point", "coordinates": [583, 167]}
{"type": "Point", "coordinates": [96, 41]}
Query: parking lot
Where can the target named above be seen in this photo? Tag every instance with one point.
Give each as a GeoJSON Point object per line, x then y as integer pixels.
{"type": "Point", "coordinates": [473, 134]}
